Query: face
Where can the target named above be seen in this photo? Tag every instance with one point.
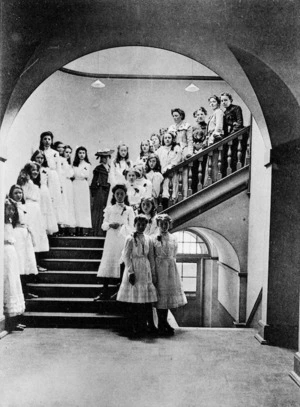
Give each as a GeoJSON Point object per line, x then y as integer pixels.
{"type": "Point", "coordinates": [145, 147]}
{"type": "Point", "coordinates": [104, 159]}
{"type": "Point", "coordinates": [34, 172]}
{"type": "Point", "coordinates": [120, 195]}
{"type": "Point", "coordinates": [46, 141]}
{"type": "Point", "coordinates": [39, 159]}
{"type": "Point", "coordinates": [123, 151]}
{"type": "Point", "coordinates": [213, 103]}
{"type": "Point", "coordinates": [60, 149]}
{"type": "Point", "coordinates": [164, 226]}
{"type": "Point", "coordinates": [152, 163]}
{"type": "Point", "coordinates": [81, 154]}
{"type": "Point", "coordinates": [9, 211]}
{"type": "Point", "coordinates": [17, 195]}
{"type": "Point", "coordinates": [131, 177]}
{"type": "Point", "coordinates": [197, 145]}
{"type": "Point", "coordinates": [167, 139]}
{"type": "Point", "coordinates": [226, 102]}
{"type": "Point", "coordinates": [140, 226]}
{"type": "Point", "coordinates": [67, 153]}
{"type": "Point", "coordinates": [146, 207]}
{"type": "Point", "coordinates": [155, 140]}
{"type": "Point", "coordinates": [176, 117]}
{"type": "Point", "coordinates": [200, 116]}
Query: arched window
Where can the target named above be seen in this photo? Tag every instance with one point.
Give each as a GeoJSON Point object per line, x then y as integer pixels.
{"type": "Point", "coordinates": [191, 248]}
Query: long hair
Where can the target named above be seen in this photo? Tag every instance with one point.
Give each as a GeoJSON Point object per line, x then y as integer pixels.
{"type": "Point", "coordinates": [46, 133]}
{"type": "Point", "coordinates": [68, 159]}
{"type": "Point", "coordinates": [56, 144]}
{"type": "Point", "coordinates": [153, 208]}
{"type": "Point", "coordinates": [15, 218]}
{"type": "Point", "coordinates": [173, 144]}
{"type": "Point", "coordinates": [157, 167]}
{"type": "Point", "coordinates": [124, 188]}
{"type": "Point", "coordinates": [11, 191]}
{"type": "Point", "coordinates": [77, 160]}
{"type": "Point", "coordinates": [22, 178]}
{"type": "Point", "coordinates": [119, 158]}
{"type": "Point", "coordinates": [141, 150]}
{"type": "Point", "coordinates": [36, 153]}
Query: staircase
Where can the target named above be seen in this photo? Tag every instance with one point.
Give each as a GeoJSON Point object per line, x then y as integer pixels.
{"type": "Point", "coordinates": [66, 290]}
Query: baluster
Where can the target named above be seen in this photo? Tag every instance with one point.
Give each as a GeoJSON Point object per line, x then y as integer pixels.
{"type": "Point", "coordinates": [239, 153]}
{"type": "Point", "coordinates": [159, 202]}
{"type": "Point", "coordinates": [180, 184]}
{"type": "Point", "coordinates": [248, 156]}
{"type": "Point", "coordinates": [171, 189]}
{"type": "Point", "coordinates": [190, 178]}
{"type": "Point", "coordinates": [229, 152]}
{"type": "Point", "coordinates": [209, 169]}
{"type": "Point", "coordinates": [200, 186]}
{"type": "Point", "coordinates": [220, 155]}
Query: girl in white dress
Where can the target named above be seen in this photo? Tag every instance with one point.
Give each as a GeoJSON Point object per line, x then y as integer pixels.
{"type": "Point", "coordinates": [62, 163]}
{"type": "Point", "coordinates": [23, 241]}
{"type": "Point", "coordinates": [29, 180]}
{"type": "Point", "coordinates": [170, 293]}
{"type": "Point", "coordinates": [69, 176]}
{"type": "Point", "coordinates": [47, 208]}
{"type": "Point", "coordinates": [118, 223]}
{"type": "Point", "coordinates": [82, 206]}
{"type": "Point", "coordinates": [135, 192]}
{"type": "Point", "coordinates": [137, 287]}
{"type": "Point", "coordinates": [154, 175]}
{"type": "Point", "coordinates": [144, 153]}
{"type": "Point", "coordinates": [52, 157]}
{"type": "Point", "coordinates": [169, 155]}
{"type": "Point", "coordinates": [14, 304]}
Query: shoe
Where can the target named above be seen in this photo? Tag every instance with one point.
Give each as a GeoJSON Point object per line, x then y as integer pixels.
{"type": "Point", "coordinates": [30, 296]}
{"type": "Point", "coordinates": [152, 330]}
{"type": "Point", "coordinates": [18, 328]}
{"type": "Point", "coordinates": [22, 326]}
{"type": "Point", "coordinates": [102, 297]}
{"type": "Point", "coordinates": [40, 268]}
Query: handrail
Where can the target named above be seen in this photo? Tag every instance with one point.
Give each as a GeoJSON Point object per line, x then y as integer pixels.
{"type": "Point", "coordinates": [207, 150]}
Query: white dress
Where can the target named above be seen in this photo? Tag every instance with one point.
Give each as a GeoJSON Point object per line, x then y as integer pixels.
{"type": "Point", "coordinates": [156, 178]}
{"type": "Point", "coordinates": [62, 163]}
{"type": "Point", "coordinates": [13, 296]}
{"type": "Point", "coordinates": [168, 159]}
{"type": "Point", "coordinates": [68, 172]}
{"type": "Point", "coordinates": [34, 217]}
{"type": "Point", "coordinates": [23, 244]}
{"type": "Point", "coordinates": [139, 260]}
{"type": "Point", "coordinates": [115, 238]}
{"type": "Point", "coordinates": [47, 208]}
{"type": "Point", "coordinates": [151, 229]}
{"type": "Point", "coordinates": [135, 193]}
{"type": "Point", "coordinates": [170, 292]}
{"type": "Point", "coordinates": [81, 190]}
{"type": "Point", "coordinates": [116, 176]}
{"type": "Point", "coordinates": [54, 182]}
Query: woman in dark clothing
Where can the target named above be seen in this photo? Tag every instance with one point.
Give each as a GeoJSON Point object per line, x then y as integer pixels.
{"type": "Point", "coordinates": [200, 115]}
{"type": "Point", "coordinates": [233, 115]}
{"type": "Point", "coordinates": [99, 190]}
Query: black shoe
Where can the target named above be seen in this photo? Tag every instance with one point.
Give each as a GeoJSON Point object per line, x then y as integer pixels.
{"type": "Point", "coordinates": [30, 296]}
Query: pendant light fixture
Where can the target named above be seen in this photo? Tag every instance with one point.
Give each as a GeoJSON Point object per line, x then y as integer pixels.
{"type": "Point", "coordinates": [192, 87]}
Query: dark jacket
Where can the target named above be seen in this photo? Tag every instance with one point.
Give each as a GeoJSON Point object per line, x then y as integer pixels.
{"type": "Point", "coordinates": [233, 119]}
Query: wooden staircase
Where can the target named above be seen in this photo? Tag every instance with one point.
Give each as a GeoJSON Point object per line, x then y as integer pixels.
{"type": "Point", "coordinates": [67, 289]}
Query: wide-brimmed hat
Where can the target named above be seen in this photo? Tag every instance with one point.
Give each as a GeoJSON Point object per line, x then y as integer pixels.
{"type": "Point", "coordinates": [104, 153]}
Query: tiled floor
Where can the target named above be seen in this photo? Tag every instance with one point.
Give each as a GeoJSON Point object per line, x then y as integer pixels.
{"type": "Point", "coordinates": [196, 367]}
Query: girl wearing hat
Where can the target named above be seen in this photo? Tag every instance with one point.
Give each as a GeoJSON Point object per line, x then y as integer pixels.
{"type": "Point", "coordinates": [100, 190]}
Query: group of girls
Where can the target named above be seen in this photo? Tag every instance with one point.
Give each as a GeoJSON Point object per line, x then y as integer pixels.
{"type": "Point", "coordinates": [139, 249]}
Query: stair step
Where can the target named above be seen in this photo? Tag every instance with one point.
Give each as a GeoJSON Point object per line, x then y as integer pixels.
{"type": "Point", "coordinates": [71, 264]}
{"type": "Point", "coordinates": [68, 277]}
{"type": "Point", "coordinates": [75, 253]}
{"type": "Point", "coordinates": [67, 290]}
{"type": "Point", "coordinates": [76, 241]}
{"type": "Point", "coordinates": [72, 319]}
{"type": "Point", "coordinates": [74, 304]}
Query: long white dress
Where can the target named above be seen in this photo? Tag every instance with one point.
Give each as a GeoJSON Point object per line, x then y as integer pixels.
{"type": "Point", "coordinates": [115, 238]}
{"type": "Point", "coordinates": [62, 163]}
{"type": "Point", "coordinates": [23, 244]}
{"type": "Point", "coordinates": [135, 193]}
{"type": "Point", "coordinates": [156, 178]}
{"type": "Point", "coordinates": [68, 172]}
{"type": "Point", "coordinates": [13, 296]}
{"type": "Point", "coordinates": [34, 217]}
{"type": "Point", "coordinates": [168, 159]}
{"type": "Point", "coordinates": [116, 176]}
{"type": "Point", "coordinates": [139, 260]}
{"type": "Point", "coordinates": [54, 182]}
{"type": "Point", "coordinates": [170, 292]}
{"type": "Point", "coordinates": [82, 206]}
{"type": "Point", "coordinates": [47, 208]}
{"type": "Point", "coordinates": [151, 229]}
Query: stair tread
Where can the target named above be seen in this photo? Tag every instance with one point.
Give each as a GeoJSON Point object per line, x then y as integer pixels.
{"type": "Point", "coordinates": [78, 237]}
{"type": "Point", "coordinates": [77, 260]}
{"type": "Point", "coordinates": [68, 299]}
{"type": "Point", "coordinates": [71, 315]}
{"type": "Point", "coordinates": [53, 285]}
{"type": "Point", "coordinates": [68, 272]}
{"type": "Point", "coordinates": [75, 248]}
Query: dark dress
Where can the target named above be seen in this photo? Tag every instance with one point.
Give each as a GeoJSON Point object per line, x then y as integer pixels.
{"type": "Point", "coordinates": [99, 190]}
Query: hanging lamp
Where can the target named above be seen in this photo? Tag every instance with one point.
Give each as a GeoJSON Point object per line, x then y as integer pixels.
{"type": "Point", "coordinates": [98, 84]}
{"type": "Point", "coordinates": [192, 88]}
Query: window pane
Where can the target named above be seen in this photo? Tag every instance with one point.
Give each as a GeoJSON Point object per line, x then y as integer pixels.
{"type": "Point", "coordinates": [189, 243]}
{"type": "Point", "coordinates": [189, 284]}
{"type": "Point", "coordinates": [189, 270]}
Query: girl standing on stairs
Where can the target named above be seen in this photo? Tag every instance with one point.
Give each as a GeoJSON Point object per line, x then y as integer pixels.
{"type": "Point", "coordinates": [170, 293]}
{"type": "Point", "coordinates": [82, 169]}
{"type": "Point", "coordinates": [137, 284]}
{"type": "Point", "coordinates": [118, 222]}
